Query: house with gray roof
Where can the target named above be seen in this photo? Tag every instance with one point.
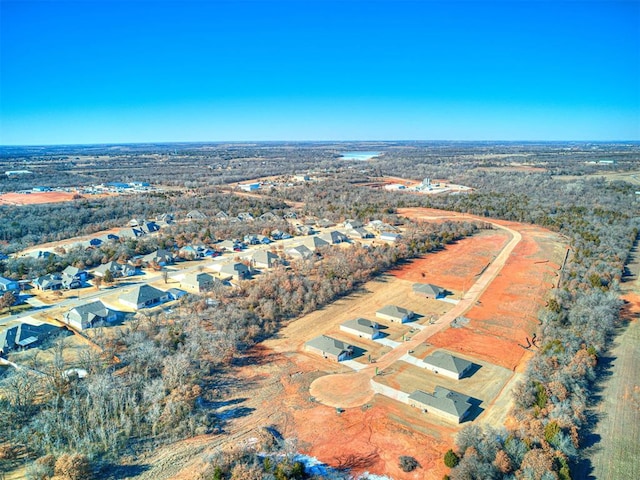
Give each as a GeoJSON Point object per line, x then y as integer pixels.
{"type": "Point", "coordinates": [428, 290]}
{"type": "Point", "coordinates": [301, 252]}
{"type": "Point", "coordinates": [24, 335]}
{"type": "Point", "coordinates": [334, 237]}
{"type": "Point", "coordinates": [117, 270]}
{"type": "Point", "coordinates": [330, 348]}
{"type": "Point", "coordinates": [361, 327]}
{"type": "Point", "coordinates": [198, 281]}
{"type": "Point", "coordinates": [443, 402]}
{"type": "Point", "coordinates": [359, 233]}
{"type": "Point", "coordinates": [390, 236]}
{"type": "Point", "coordinates": [265, 259]}
{"type": "Point", "coordinates": [237, 271]}
{"type": "Point", "coordinates": [89, 315]}
{"type": "Point", "coordinates": [395, 314]}
{"type": "Point", "coordinates": [196, 215]}
{"type": "Point", "coordinates": [48, 282]}
{"type": "Point", "coordinates": [353, 224]}
{"type": "Point", "coordinates": [314, 242]}
{"type": "Point", "coordinates": [161, 257]}
{"type": "Point", "coordinates": [143, 296]}
{"type": "Point", "coordinates": [444, 363]}
{"type": "Point", "coordinates": [75, 273]}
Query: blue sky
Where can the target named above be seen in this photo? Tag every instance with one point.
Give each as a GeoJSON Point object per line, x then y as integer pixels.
{"type": "Point", "coordinates": [160, 71]}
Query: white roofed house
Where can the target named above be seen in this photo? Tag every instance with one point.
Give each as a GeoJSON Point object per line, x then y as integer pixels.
{"type": "Point", "coordinates": [143, 296]}
{"type": "Point", "coordinates": [390, 236]}
{"type": "Point", "coordinates": [395, 314]}
{"type": "Point", "coordinates": [361, 327]}
{"type": "Point", "coordinates": [196, 215]}
{"type": "Point", "coordinates": [89, 315]}
{"type": "Point", "coordinates": [329, 348]}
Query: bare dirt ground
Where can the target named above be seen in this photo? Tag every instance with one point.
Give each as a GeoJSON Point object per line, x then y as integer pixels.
{"type": "Point", "coordinates": [34, 198]}
{"type": "Point", "coordinates": [273, 384]}
{"type": "Point", "coordinates": [506, 313]}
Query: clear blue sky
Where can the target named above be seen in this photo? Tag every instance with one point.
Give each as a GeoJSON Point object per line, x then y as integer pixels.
{"type": "Point", "coordinates": [161, 71]}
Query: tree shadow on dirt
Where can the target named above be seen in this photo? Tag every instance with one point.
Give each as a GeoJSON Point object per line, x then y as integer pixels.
{"type": "Point", "coordinates": [120, 472]}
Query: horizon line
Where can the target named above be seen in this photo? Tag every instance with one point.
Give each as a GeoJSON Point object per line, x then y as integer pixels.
{"type": "Point", "coordinates": [200, 142]}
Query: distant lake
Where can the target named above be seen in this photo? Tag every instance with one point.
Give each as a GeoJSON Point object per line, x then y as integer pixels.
{"type": "Point", "coordinates": [358, 155]}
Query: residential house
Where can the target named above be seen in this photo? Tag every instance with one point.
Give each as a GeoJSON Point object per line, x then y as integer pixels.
{"type": "Point", "coordinates": [222, 215]}
{"type": "Point", "coordinates": [301, 252]}
{"type": "Point", "coordinates": [279, 235]}
{"type": "Point", "coordinates": [160, 257]}
{"type": "Point", "coordinates": [268, 217]}
{"type": "Point", "coordinates": [444, 363]}
{"type": "Point", "coordinates": [176, 293]}
{"type": "Point", "coordinates": [89, 315]}
{"type": "Point", "coordinates": [362, 327]}
{"type": "Point", "coordinates": [264, 259]}
{"type": "Point", "coordinates": [117, 270]}
{"type": "Point", "coordinates": [360, 233]}
{"type": "Point", "coordinates": [325, 223]}
{"type": "Point", "coordinates": [334, 237]}
{"type": "Point", "coordinates": [428, 290]}
{"type": "Point", "coordinates": [315, 242]}
{"type": "Point", "coordinates": [353, 224]}
{"type": "Point", "coordinates": [143, 296]}
{"type": "Point", "coordinates": [395, 314]}
{"type": "Point", "coordinates": [237, 271]}
{"type": "Point", "coordinates": [330, 348]}
{"type": "Point", "coordinates": [245, 217]}
{"type": "Point", "coordinates": [445, 403]}
{"type": "Point", "coordinates": [305, 230]}
{"type": "Point", "coordinates": [8, 285]}
{"type": "Point", "coordinates": [390, 236]}
{"type": "Point", "coordinates": [51, 281]}
{"type": "Point", "coordinates": [198, 281]}
{"type": "Point", "coordinates": [75, 273]}
{"type": "Point", "coordinates": [24, 335]}
{"type": "Point", "coordinates": [196, 215]}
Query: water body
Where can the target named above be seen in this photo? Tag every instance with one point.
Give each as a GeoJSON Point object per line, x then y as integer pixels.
{"type": "Point", "coordinates": [358, 155]}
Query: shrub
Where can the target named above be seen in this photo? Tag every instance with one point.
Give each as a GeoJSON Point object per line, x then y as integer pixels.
{"type": "Point", "coordinates": [408, 464]}
{"type": "Point", "coordinates": [72, 467]}
{"type": "Point", "coordinates": [451, 459]}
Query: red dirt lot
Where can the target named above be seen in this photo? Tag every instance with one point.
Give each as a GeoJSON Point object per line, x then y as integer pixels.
{"type": "Point", "coordinates": [455, 267]}
{"type": "Point", "coordinates": [507, 311]}
{"type": "Point", "coordinates": [34, 198]}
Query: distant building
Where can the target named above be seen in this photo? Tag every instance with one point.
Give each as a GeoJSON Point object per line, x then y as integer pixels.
{"type": "Point", "coordinates": [15, 173]}
{"type": "Point", "coordinates": [249, 187]}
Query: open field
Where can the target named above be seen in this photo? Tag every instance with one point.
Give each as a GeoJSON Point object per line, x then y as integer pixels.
{"type": "Point", "coordinates": [617, 454]}
{"type": "Point", "coordinates": [35, 198]}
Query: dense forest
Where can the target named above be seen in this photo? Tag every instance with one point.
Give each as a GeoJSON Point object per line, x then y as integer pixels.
{"type": "Point", "coordinates": [164, 380]}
